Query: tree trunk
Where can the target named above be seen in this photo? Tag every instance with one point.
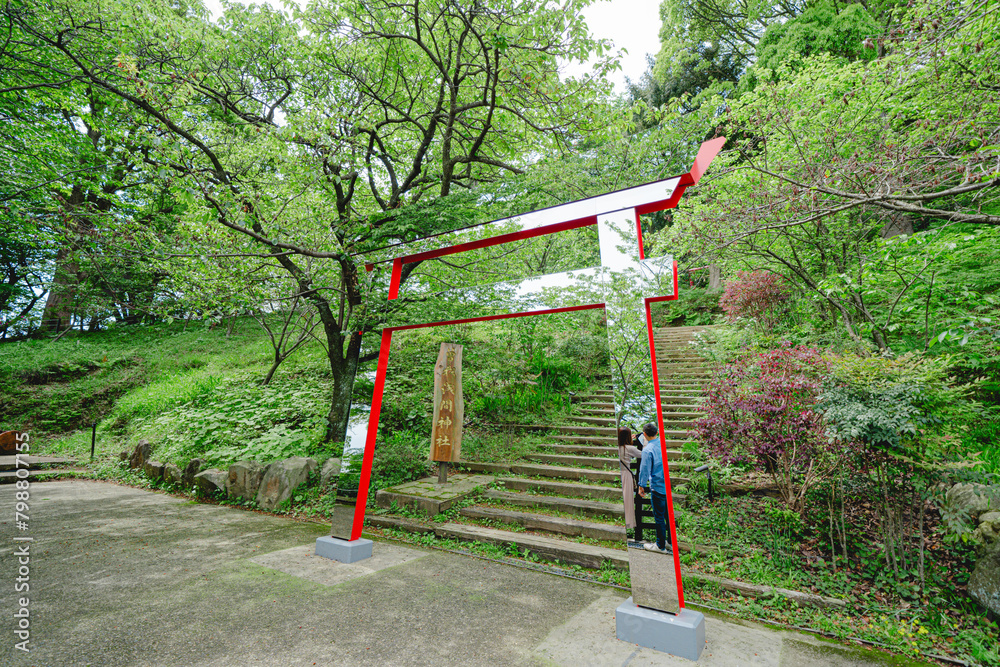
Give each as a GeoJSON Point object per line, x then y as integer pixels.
{"type": "Point", "coordinates": [58, 313]}
{"type": "Point", "coordinates": [345, 369]}
{"type": "Point", "coordinates": [278, 358]}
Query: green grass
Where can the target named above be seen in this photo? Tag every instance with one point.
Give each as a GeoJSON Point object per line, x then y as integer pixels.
{"type": "Point", "coordinates": [118, 378]}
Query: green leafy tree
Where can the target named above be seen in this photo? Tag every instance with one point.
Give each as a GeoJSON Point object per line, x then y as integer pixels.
{"type": "Point", "coordinates": [844, 156]}
{"type": "Point", "coordinates": [307, 137]}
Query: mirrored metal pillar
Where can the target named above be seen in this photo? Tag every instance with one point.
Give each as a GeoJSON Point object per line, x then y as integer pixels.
{"type": "Point", "coordinates": [629, 283]}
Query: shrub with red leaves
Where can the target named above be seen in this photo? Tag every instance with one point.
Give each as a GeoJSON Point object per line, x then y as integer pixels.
{"type": "Point", "coordinates": [760, 411]}
{"type": "Point", "coordinates": [757, 295]}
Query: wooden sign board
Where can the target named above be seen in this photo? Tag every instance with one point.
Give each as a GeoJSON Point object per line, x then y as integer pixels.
{"type": "Point", "coordinates": [449, 409]}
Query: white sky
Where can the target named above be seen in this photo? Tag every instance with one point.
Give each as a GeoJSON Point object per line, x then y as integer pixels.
{"type": "Point", "coordinates": [633, 25]}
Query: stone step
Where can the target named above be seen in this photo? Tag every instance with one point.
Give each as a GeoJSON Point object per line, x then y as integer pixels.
{"type": "Point", "coordinates": [595, 450]}
{"type": "Point", "coordinates": [673, 335]}
{"type": "Point", "coordinates": [10, 462]}
{"type": "Point", "coordinates": [672, 454]}
{"type": "Point", "coordinates": [667, 368]}
{"type": "Point", "coordinates": [569, 429]}
{"type": "Point", "coordinates": [542, 470]}
{"type": "Point", "coordinates": [597, 406]}
{"type": "Point", "coordinates": [667, 364]}
{"type": "Point", "coordinates": [596, 412]}
{"type": "Point", "coordinates": [683, 360]}
{"type": "Point", "coordinates": [566, 489]}
{"type": "Point", "coordinates": [612, 442]}
{"type": "Point", "coordinates": [569, 505]}
{"type": "Point", "coordinates": [594, 421]}
{"type": "Point", "coordinates": [564, 472]}
{"type": "Point", "coordinates": [573, 505]}
{"type": "Point", "coordinates": [674, 424]}
{"type": "Point", "coordinates": [600, 462]}
{"type": "Point", "coordinates": [681, 415]}
{"type": "Point", "coordinates": [10, 476]}
{"type": "Point", "coordinates": [551, 524]}
{"type": "Point", "coordinates": [547, 548]}
{"type": "Point", "coordinates": [595, 440]}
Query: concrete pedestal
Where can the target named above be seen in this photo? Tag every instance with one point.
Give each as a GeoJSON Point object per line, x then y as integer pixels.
{"type": "Point", "coordinates": [344, 551]}
{"type": "Point", "coordinates": [681, 634]}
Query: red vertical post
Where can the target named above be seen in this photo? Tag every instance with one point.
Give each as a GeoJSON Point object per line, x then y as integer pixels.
{"type": "Point", "coordinates": [638, 231]}
{"type": "Point", "coordinates": [369, 457]}
{"type": "Point", "coordinates": [397, 275]}
{"type": "Point", "coordinates": [663, 448]}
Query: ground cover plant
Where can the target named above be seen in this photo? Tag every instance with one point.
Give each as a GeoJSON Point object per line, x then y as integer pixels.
{"type": "Point", "coordinates": [895, 432]}
{"type": "Point", "coordinates": [761, 542]}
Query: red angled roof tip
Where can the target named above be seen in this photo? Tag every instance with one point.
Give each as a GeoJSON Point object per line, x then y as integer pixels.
{"type": "Point", "coordinates": [706, 154]}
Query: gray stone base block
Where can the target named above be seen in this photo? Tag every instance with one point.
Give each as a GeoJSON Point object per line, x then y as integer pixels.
{"type": "Point", "coordinates": [681, 634]}
{"type": "Point", "coordinates": [344, 551]}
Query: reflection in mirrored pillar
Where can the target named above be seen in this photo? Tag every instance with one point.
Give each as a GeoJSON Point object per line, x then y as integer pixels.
{"type": "Point", "coordinates": [628, 282]}
{"type": "Point", "coordinates": [342, 514]}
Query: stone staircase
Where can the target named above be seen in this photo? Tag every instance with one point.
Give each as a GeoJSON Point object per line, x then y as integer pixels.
{"type": "Point", "coordinates": [36, 466]}
{"type": "Point", "coordinates": [569, 488]}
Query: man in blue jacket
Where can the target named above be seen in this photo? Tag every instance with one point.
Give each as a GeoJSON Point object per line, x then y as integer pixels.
{"type": "Point", "coordinates": [651, 479]}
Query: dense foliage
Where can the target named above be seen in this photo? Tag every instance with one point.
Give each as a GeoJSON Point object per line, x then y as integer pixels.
{"type": "Point", "coordinates": [760, 411]}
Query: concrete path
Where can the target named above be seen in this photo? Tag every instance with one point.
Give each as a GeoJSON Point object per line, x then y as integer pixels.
{"type": "Point", "coordinates": [120, 576]}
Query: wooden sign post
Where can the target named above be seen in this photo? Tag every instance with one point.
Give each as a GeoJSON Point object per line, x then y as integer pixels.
{"type": "Point", "coordinates": [449, 409]}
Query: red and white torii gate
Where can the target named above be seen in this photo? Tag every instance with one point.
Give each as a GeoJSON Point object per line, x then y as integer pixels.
{"type": "Point", "coordinates": [625, 284]}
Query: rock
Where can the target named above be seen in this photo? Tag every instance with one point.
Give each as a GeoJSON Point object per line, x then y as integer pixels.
{"type": "Point", "coordinates": [330, 473]}
{"type": "Point", "coordinates": [142, 452]}
{"type": "Point", "coordinates": [153, 469]}
{"type": "Point", "coordinates": [986, 533]}
{"type": "Point", "coordinates": [192, 469]}
{"type": "Point", "coordinates": [990, 517]}
{"type": "Point", "coordinates": [984, 584]}
{"type": "Point", "coordinates": [976, 499]}
{"type": "Point", "coordinates": [280, 480]}
{"type": "Point", "coordinates": [244, 479]}
{"type": "Point", "coordinates": [210, 482]}
{"type": "Point", "coordinates": [172, 474]}
{"type": "Point", "coordinates": [989, 528]}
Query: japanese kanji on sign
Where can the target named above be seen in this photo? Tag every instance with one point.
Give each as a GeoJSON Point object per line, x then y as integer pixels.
{"type": "Point", "coordinates": [446, 431]}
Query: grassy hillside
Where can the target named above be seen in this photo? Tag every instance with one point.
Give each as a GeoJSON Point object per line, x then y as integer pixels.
{"type": "Point", "coordinates": [196, 391]}
{"type": "Point", "coordinates": [128, 378]}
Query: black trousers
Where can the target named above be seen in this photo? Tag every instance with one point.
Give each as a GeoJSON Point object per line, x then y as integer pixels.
{"type": "Point", "coordinates": [659, 502]}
